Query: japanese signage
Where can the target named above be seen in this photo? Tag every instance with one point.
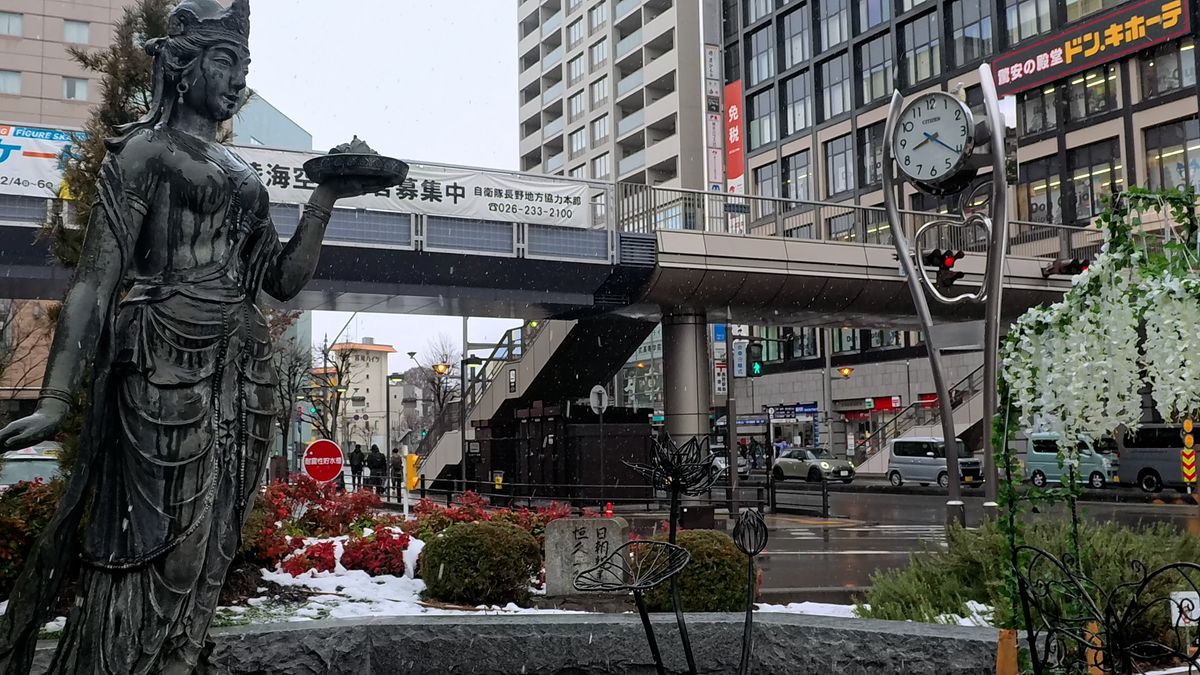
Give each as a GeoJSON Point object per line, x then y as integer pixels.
{"type": "Point", "coordinates": [576, 544]}
{"type": "Point", "coordinates": [1105, 37]}
{"type": "Point", "coordinates": [735, 160]}
{"type": "Point", "coordinates": [739, 357]}
{"type": "Point", "coordinates": [29, 160]}
{"type": "Point", "coordinates": [791, 413]}
{"type": "Point", "coordinates": [440, 191]}
{"type": "Point", "coordinates": [720, 379]}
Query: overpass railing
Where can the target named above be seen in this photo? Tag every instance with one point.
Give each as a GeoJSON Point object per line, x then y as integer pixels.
{"type": "Point", "coordinates": [647, 209]}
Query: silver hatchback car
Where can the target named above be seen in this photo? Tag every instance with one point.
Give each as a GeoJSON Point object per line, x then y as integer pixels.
{"type": "Point", "coordinates": [923, 460]}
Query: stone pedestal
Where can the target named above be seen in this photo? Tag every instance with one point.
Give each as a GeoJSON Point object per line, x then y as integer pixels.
{"type": "Point", "coordinates": [576, 544]}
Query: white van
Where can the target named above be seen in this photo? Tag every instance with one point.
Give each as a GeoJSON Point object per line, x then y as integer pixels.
{"type": "Point", "coordinates": [922, 460]}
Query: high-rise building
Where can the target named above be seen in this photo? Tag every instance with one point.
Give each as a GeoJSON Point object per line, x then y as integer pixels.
{"type": "Point", "coordinates": [260, 123]}
{"type": "Point", "coordinates": [614, 90]}
{"type": "Point", "coordinates": [39, 83]}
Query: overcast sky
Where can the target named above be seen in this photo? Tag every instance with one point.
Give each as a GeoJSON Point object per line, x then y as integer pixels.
{"type": "Point", "coordinates": [423, 80]}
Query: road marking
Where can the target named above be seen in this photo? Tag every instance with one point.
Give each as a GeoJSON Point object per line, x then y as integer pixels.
{"type": "Point", "coordinates": [770, 554]}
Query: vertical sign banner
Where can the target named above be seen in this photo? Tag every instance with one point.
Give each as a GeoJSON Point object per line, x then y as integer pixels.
{"type": "Point", "coordinates": [1105, 37]}
{"type": "Point", "coordinates": [29, 160]}
{"type": "Point", "coordinates": [735, 159]}
{"type": "Point", "coordinates": [739, 357]}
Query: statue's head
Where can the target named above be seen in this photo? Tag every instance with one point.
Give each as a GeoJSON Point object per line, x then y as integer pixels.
{"type": "Point", "coordinates": [201, 63]}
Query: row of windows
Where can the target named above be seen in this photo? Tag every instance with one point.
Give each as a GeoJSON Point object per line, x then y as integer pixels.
{"type": "Point", "coordinates": [783, 343]}
{"type": "Point", "coordinates": [74, 88]}
{"type": "Point", "coordinates": [792, 179]}
{"type": "Point", "coordinates": [1169, 68]}
{"type": "Point", "coordinates": [75, 32]}
{"type": "Point", "coordinates": [577, 104]}
{"type": "Point", "coordinates": [578, 140]}
{"type": "Point", "coordinates": [597, 17]}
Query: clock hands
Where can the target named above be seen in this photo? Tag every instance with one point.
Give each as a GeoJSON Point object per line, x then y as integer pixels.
{"type": "Point", "coordinates": [934, 137]}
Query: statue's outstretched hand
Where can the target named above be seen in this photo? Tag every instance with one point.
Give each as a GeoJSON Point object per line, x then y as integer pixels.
{"type": "Point", "coordinates": [40, 426]}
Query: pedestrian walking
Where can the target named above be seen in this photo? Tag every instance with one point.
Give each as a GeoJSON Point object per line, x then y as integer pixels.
{"type": "Point", "coordinates": [397, 466]}
{"type": "Point", "coordinates": [358, 460]}
{"type": "Point", "coordinates": [378, 466]}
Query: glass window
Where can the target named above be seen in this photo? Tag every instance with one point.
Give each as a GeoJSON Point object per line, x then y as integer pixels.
{"type": "Point", "coordinates": [575, 69]}
{"type": "Point", "coordinates": [804, 343]}
{"type": "Point", "coordinates": [766, 184]}
{"type": "Point", "coordinates": [922, 49]}
{"type": "Point", "coordinates": [1092, 92]}
{"type": "Point", "coordinates": [927, 203]}
{"type": "Point", "coordinates": [834, 19]}
{"type": "Point", "coordinates": [797, 176]}
{"type": "Point", "coordinates": [1037, 110]}
{"type": "Point", "coordinates": [75, 89]}
{"type": "Point", "coordinates": [1173, 155]}
{"type": "Point", "coordinates": [576, 106]}
{"type": "Point", "coordinates": [733, 63]}
{"type": "Point", "coordinates": [1168, 68]}
{"type": "Point", "coordinates": [1026, 18]}
{"type": "Point", "coordinates": [11, 24]}
{"type": "Point", "coordinates": [870, 153]}
{"type": "Point", "coordinates": [760, 61]}
{"type": "Point", "coordinates": [78, 32]}
{"type": "Point", "coordinates": [578, 171]}
{"type": "Point", "coordinates": [762, 118]}
{"type": "Point", "coordinates": [839, 163]}
{"type": "Point", "coordinates": [906, 5]}
{"type": "Point", "coordinates": [1077, 9]}
{"type": "Point", "coordinates": [795, 34]}
{"type": "Point", "coordinates": [835, 86]}
{"type": "Point", "coordinates": [1095, 172]}
{"type": "Point", "coordinates": [970, 30]}
{"type": "Point", "coordinates": [599, 129]}
{"type": "Point", "coordinates": [574, 33]}
{"type": "Point", "coordinates": [757, 9]}
{"type": "Point", "coordinates": [599, 90]}
{"type": "Point", "coordinates": [598, 53]}
{"type": "Point", "coordinates": [578, 141]}
{"type": "Point", "coordinates": [875, 62]}
{"type": "Point", "coordinates": [797, 97]}
{"type": "Point", "coordinates": [597, 17]}
{"type": "Point", "coordinates": [871, 13]}
{"type": "Point", "coordinates": [845, 340]}
{"type": "Point", "coordinates": [600, 166]}
{"type": "Point", "coordinates": [1039, 193]}
{"type": "Point", "coordinates": [10, 82]}
{"type": "Point", "coordinates": [881, 339]}
{"type": "Point", "coordinates": [574, 5]}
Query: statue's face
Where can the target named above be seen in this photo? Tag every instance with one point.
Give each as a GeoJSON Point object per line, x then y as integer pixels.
{"type": "Point", "coordinates": [218, 89]}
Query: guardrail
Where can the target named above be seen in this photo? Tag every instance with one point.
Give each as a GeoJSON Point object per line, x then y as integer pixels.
{"type": "Point", "coordinates": [588, 496]}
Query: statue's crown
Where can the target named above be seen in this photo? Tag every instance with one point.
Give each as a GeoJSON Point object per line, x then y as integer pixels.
{"type": "Point", "coordinates": [210, 16]}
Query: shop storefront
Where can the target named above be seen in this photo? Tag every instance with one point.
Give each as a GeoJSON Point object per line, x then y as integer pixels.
{"type": "Point", "coordinates": [866, 415]}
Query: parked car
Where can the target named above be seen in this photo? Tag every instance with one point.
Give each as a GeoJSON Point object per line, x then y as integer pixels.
{"type": "Point", "coordinates": [722, 464]}
{"type": "Point", "coordinates": [39, 462]}
{"type": "Point", "coordinates": [923, 460]}
{"type": "Point", "coordinates": [813, 465]}
{"type": "Point", "coordinates": [1097, 461]}
{"type": "Point", "coordinates": [1151, 457]}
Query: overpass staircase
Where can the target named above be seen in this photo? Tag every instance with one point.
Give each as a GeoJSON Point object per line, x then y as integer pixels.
{"type": "Point", "coordinates": [547, 360]}
{"type": "Point", "coordinates": [923, 418]}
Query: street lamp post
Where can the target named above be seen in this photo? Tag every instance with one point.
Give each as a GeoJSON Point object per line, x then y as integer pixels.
{"type": "Point", "coordinates": [462, 410]}
{"type": "Point", "coordinates": [391, 380]}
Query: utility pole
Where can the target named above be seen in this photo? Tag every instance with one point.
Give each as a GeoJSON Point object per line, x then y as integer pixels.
{"type": "Point", "coordinates": [827, 402]}
{"type": "Point", "coordinates": [731, 418]}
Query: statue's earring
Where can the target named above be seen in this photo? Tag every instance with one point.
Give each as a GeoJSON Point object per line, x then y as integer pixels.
{"type": "Point", "coordinates": [182, 88]}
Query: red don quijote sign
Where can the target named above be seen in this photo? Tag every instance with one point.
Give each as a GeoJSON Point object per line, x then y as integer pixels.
{"type": "Point", "coordinates": [323, 460]}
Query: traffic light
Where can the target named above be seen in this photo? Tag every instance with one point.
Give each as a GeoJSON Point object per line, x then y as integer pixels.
{"type": "Point", "coordinates": [944, 262]}
{"type": "Point", "coordinates": [411, 479]}
{"type": "Point", "coordinates": [1066, 267]}
{"type": "Point", "coordinates": [754, 359]}
{"type": "Point", "coordinates": [424, 433]}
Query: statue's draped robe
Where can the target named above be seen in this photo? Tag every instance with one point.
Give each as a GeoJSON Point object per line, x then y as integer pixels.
{"type": "Point", "coordinates": [186, 409]}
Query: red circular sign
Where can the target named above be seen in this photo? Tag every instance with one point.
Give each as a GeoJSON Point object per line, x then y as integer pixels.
{"type": "Point", "coordinates": [323, 460]}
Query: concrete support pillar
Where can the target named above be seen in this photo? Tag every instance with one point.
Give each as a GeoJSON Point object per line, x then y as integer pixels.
{"type": "Point", "coordinates": [686, 378]}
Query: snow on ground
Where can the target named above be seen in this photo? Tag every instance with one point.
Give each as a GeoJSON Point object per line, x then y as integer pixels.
{"type": "Point", "coordinates": [810, 608]}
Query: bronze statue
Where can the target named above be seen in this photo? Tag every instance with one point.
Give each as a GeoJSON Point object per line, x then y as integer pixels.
{"type": "Point", "coordinates": [163, 314]}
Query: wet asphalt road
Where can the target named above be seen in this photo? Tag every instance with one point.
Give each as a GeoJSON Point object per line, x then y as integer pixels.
{"type": "Point", "coordinates": [831, 560]}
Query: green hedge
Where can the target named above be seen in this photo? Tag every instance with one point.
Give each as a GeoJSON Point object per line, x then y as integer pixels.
{"type": "Point", "coordinates": [940, 582]}
{"type": "Point", "coordinates": [480, 564]}
{"type": "Point", "coordinates": [715, 579]}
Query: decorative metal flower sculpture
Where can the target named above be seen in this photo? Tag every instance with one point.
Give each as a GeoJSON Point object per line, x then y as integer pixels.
{"type": "Point", "coordinates": [636, 567]}
{"type": "Point", "coordinates": [687, 469]}
{"type": "Point", "coordinates": [750, 536]}
{"type": "Point", "coordinates": [1081, 627]}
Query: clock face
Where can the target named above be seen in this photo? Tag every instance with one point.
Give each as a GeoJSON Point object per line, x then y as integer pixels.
{"type": "Point", "coordinates": [934, 137]}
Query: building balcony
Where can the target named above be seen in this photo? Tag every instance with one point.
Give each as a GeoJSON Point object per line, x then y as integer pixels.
{"type": "Point", "coordinates": [629, 43]}
{"type": "Point", "coordinates": [631, 82]}
{"type": "Point", "coordinates": [632, 163]}
{"type": "Point", "coordinates": [626, 6]}
{"type": "Point", "coordinates": [554, 128]}
{"type": "Point", "coordinates": [552, 24]}
{"type": "Point", "coordinates": [552, 94]}
{"type": "Point", "coordinates": [555, 162]}
{"type": "Point", "coordinates": [631, 122]}
{"type": "Point", "coordinates": [552, 59]}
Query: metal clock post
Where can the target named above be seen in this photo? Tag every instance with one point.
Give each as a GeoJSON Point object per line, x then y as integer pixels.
{"type": "Point", "coordinates": [939, 147]}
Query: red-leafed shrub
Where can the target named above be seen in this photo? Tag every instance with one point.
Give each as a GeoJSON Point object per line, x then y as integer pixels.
{"type": "Point", "coordinates": [319, 557]}
{"type": "Point", "coordinates": [431, 519]}
{"type": "Point", "coordinates": [380, 553]}
{"type": "Point", "coordinates": [25, 509]}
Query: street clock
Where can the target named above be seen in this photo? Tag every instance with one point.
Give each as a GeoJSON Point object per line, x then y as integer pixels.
{"type": "Point", "coordinates": [933, 142]}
